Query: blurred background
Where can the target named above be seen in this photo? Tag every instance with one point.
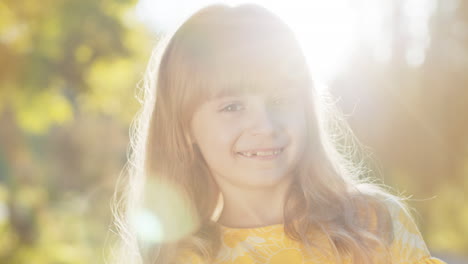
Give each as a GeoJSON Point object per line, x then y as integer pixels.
{"type": "Point", "coordinates": [68, 76]}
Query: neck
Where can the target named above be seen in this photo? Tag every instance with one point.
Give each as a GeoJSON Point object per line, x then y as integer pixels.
{"type": "Point", "coordinates": [249, 208]}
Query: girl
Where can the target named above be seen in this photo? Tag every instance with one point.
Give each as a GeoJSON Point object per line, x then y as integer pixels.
{"type": "Point", "coordinates": [235, 159]}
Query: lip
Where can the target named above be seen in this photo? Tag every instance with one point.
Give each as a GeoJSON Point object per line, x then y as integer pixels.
{"type": "Point", "coordinates": [269, 157]}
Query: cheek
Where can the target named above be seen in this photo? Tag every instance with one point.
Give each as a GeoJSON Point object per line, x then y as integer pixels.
{"type": "Point", "coordinates": [296, 121]}
{"type": "Point", "coordinates": [215, 139]}
{"type": "Point", "coordinates": [296, 125]}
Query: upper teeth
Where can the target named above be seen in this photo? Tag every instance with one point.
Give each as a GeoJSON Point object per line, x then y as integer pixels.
{"type": "Point", "coordinates": [261, 153]}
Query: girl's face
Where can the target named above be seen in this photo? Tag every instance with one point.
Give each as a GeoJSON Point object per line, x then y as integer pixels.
{"type": "Point", "coordinates": [251, 140]}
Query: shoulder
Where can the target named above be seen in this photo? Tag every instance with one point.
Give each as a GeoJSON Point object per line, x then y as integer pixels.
{"type": "Point", "coordinates": [382, 209]}
{"type": "Point", "coordinates": [408, 245]}
{"type": "Point", "coordinates": [389, 217]}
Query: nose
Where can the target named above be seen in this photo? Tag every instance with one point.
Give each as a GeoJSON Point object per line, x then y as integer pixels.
{"type": "Point", "coordinates": [264, 122]}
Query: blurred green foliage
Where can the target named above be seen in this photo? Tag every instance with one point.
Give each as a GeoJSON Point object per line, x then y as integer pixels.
{"type": "Point", "coordinates": [67, 77]}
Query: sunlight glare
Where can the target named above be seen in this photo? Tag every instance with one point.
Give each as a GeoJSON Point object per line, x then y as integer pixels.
{"type": "Point", "coordinates": [326, 29]}
{"type": "Point", "coordinates": [329, 31]}
{"type": "Point", "coordinates": [417, 14]}
{"type": "Point", "coordinates": [374, 28]}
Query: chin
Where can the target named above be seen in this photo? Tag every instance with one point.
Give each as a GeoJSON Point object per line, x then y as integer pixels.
{"type": "Point", "coordinates": [265, 182]}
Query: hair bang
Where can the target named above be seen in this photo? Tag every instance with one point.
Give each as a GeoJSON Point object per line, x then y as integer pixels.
{"type": "Point", "coordinates": [237, 74]}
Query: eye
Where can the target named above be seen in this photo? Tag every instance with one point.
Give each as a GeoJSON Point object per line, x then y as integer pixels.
{"type": "Point", "coordinates": [233, 107]}
{"type": "Point", "coordinates": [282, 100]}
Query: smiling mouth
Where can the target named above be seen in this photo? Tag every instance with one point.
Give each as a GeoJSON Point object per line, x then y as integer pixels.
{"type": "Point", "coordinates": [267, 153]}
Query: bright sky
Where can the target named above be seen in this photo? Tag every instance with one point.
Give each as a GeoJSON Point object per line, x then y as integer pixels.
{"type": "Point", "coordinates": [329, 30]}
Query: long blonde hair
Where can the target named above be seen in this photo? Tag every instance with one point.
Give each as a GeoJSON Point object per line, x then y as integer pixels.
{"type": "Point", "coordinates": [216, 50]}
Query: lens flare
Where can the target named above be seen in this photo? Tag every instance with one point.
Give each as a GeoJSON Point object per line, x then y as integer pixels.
{"type": "Point", "coordinates": [166, 214]}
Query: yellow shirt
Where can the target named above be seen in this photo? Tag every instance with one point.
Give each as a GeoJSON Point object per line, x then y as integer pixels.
{"type": "Point", "coordinates": [270, 245]}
